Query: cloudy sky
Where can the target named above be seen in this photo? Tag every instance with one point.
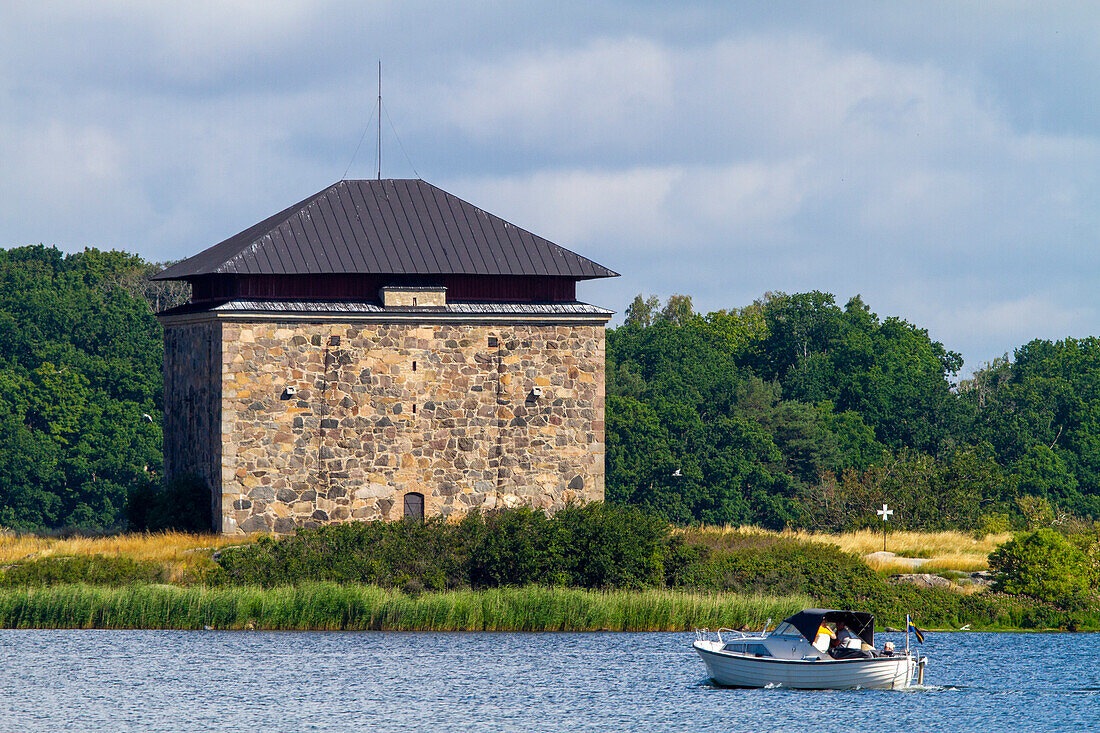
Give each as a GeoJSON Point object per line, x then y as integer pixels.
{"type": "Point", "coordinates": [941, 159]}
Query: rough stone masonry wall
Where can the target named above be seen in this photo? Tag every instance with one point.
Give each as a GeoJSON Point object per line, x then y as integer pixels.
{"type": "Point", "coordinates": [192, 404]}
{"type": "Point", "coordinates": [379, 410]}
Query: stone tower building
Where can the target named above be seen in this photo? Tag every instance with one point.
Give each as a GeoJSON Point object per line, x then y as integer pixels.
{"type": "Point", "coordinates": [383, 349]}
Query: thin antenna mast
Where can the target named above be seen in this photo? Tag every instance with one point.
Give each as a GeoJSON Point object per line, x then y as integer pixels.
{"type": "Point", "coordinates": [380, 119]}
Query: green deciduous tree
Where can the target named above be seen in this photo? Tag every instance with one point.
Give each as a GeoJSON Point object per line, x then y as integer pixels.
{"type": "Point", "coordinates": [889, 372]}
{"type": "Point", "coordinates": [1045, 565]}
{"type": "Point", "coordinates": [693, 434]}
{"type": "Point", "coordinates": [1041, 412]}
{"type": "Point", "coordinates": [642, 311]}
{"type": "Point", "coordinates": [795, 411]}
{"type": "Point", "coordinates": [80, 365]}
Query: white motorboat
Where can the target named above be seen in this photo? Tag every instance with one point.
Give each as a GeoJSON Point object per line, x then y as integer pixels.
{"type": "Point", "coordinates": [797, 654]}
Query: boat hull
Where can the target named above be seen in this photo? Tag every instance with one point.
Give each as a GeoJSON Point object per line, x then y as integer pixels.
{"type": "Point", "coordinates": [739, 670]}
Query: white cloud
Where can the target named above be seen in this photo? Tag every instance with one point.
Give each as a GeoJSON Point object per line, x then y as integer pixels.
{"type": "Point", "coordinates": [753, 197]}
{"type": "Point", "coordinates": [998, 327]}
{"type": "Point", "coordinates": [696, 157]}
{"type": "Point", "coordinates": [608, 90]}
{"type": "Point", "coordinates": [193, 42]}
{"type": "Point", "coordinates": [642, 210]}
{"type": "Point", "coordinates": [623, 208]}
{"type": "Point", "coordinates": [789, 163]}
{"type": "Point", "coordinates": [60, 172]}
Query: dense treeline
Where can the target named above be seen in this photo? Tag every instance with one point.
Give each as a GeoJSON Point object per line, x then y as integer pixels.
{"type": "Point", "coordinates": [80, 385]}
{"type": "Point", "coordinates": [791, 411]}
{"type": "Point", "coordinates": [794, 411]}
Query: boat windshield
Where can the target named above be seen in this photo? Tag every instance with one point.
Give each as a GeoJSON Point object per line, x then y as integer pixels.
{"type": "Point", "coordinates": [786, 629]}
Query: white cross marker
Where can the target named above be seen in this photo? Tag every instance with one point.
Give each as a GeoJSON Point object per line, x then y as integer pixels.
{"type": "Point", "coordinates": [885, 512]}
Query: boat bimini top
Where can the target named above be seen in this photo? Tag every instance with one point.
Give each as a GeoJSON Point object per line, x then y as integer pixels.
{"type": "Point", "coordinates": [806, 623]}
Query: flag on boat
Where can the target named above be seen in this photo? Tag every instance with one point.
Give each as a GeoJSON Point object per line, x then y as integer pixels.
{"type": "Point", "coordinates": [910, 626]}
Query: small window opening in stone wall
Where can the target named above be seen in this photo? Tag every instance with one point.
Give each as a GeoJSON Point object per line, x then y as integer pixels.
{"type": "Point", "coordinates": [414, 505]}
{"type": "Point", "coordinates": [414, 301]}
{"type": "Point", "coordinates": [414, 366]}
{"type": "Point", "coordinates": [414, 408]}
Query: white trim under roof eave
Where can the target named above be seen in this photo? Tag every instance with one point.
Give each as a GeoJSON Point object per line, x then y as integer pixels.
{"type": "Point", "coordinates": [412, 318]}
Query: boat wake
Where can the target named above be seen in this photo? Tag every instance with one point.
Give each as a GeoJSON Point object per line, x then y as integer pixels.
{"type": "Point", "coordinates": [930, 688]}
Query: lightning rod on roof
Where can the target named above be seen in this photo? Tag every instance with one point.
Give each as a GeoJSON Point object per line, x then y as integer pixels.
{"type": "Point", "coordinates": [380, 119]}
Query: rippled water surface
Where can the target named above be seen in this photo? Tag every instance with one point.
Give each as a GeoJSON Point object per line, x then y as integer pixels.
{"type": "Point", "coordinates": [168, 680]}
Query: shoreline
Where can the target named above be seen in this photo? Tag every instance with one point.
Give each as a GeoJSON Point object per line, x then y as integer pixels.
{"type": "Point", "coordinates": [335, 607]}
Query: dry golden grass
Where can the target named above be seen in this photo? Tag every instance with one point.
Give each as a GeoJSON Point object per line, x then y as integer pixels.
{"type": "Point", "coordinates": [937, 564]}
{"type": "Point", "coordinates": [178, 551]}
{"type": "Point", "coordinates": [938, 551]}
{"type": "Point", "coordinates": [912, 544]}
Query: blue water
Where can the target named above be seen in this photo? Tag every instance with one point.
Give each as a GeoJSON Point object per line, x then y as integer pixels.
{"type": "Point", "coordinates": [194, 681]}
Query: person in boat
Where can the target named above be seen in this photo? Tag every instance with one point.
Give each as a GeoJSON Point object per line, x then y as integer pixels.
{"type": "Point", "coordinates": [824, 638]}
{"type": "Point", "coordinates": [844, 636]}
{"type": "Point", "coordinates": [848, 644]}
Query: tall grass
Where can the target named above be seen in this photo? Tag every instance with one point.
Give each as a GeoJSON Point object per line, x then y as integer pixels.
{"type": "Point", "coordinates": [328, 606]}
{"type": "Point", "coordinates": [182, 553]}
{"type": "Point", "coordinates": [937, 550]}
{"type": "Point", "coordinates": [937, 564]}
{"type": "Point", "coordinates": [179, 552]}
{"type": "Point", "coordinates": [154, 547]}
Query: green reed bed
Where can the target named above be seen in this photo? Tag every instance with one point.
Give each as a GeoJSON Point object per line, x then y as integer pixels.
{"type": "Point", "coordinates": [328, 606]}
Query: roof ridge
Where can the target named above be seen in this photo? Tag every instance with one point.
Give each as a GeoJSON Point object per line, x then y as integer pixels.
{"type": "Point", "coordinates": [508, 223]}
{"type": "Point", "coordinates": [460, 238]}
{"type": "Point", "coordinates": [281, 217]}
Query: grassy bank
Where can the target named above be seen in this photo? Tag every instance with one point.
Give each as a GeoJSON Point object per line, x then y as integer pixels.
{"type": "Point", "coordinates": [341, 607]}
{"type": "Point", "coordinates": [939, 551]}
{"type": "Point", "coordinates": [182, 551]}
{"type": "Point", "coordinates": [180, 554]}
{"type": "Point", "coordinates": [591, 567]}
{"type": "Point", "coordinates": [329, 606]}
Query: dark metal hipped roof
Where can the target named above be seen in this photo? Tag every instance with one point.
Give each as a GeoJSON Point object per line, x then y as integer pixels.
{"type": "Point", "coordinates": [391, 226]}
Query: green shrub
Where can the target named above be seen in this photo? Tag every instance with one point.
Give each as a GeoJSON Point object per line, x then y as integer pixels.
{"type": "Point", "coordinates": [93, 570]}
{"type": "Point", "coordinates": [424, 555]}
{"type": "Point", "coordinates": [1088, 542]}
{"type": "Point", "coordinates": [780, 566]}
{"type": "Point", "coordinates": [514, 547]}
{"type": "Point", "coordinates": [993, 523]}
{"type": "Point", "coordinates": [591, 546]}
{"type": "Point", "coordinates": [1044, 565]}
{"type": "Point", "coordinates": [609, 548]}
{"type": "Point", "coordinates": [606, 546]}
{"type": "Point", "coordinates": [1036, 510]}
